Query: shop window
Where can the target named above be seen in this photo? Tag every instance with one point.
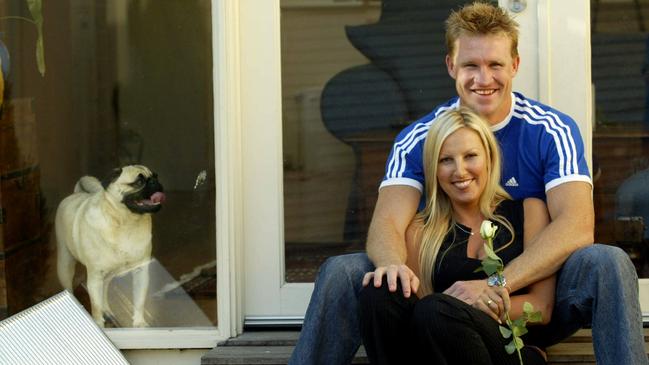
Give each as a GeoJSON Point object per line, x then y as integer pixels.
{"type": "Point", "coordinates": [124, 83]}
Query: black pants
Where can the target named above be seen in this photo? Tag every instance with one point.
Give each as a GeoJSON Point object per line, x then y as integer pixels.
{"type": "Point", "coordinates": [437, 329]}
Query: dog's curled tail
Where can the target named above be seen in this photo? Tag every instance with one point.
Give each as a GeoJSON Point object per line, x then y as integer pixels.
{"type": "Point", "coordinates": [88, 184]}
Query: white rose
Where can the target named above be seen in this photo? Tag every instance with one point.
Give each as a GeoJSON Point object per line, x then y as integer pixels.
{"type": "Point", "coordinates": [488, 229]}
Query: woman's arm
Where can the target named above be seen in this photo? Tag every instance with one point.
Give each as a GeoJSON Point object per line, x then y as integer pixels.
{"type": "Point", "coordinates": [541, 293]}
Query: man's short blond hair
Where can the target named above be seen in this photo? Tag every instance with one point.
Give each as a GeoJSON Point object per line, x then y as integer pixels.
{"type": "Point", "coordinates": [480, 19]}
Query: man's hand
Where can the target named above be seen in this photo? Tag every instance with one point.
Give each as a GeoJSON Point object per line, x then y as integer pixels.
{"type": "Point", "coordinates": [493, 300]}
{"type": "Point", "coordinates": [409, 281]}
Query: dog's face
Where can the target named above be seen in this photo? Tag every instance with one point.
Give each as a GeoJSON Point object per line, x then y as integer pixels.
{"type": "Point", "coordinates": [137, 187]}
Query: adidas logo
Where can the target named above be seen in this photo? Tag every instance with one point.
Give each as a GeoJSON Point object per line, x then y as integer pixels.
{"type": "Point", "coordinates": [511, 182]}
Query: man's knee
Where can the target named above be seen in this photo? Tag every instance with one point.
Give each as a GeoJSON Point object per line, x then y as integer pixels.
{"type": "Point", "coordinates": [603, 261]}
{"type": "Point", "coordinates": [344, 269]}
{"type": "Point", "coordinates": [605, 257]}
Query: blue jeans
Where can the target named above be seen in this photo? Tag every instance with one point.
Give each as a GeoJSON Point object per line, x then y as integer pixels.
{"type": "Point", "coordinates": [597, 285]}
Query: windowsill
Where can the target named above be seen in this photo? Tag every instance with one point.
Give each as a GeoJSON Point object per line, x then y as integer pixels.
{"type": "Point", "coordinates": [284, 4]}
{"type": "Point", "coordinates": [164, 338]}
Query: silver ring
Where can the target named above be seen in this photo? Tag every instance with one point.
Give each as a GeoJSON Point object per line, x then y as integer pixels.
{"type": "Point", "coordinates": [489, 302]}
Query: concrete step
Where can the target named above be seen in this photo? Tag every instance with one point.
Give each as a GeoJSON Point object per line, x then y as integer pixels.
{"type": "Point", "coordinates": [255, 347]}
{"type": "Point", "coordinates": [275, 348]}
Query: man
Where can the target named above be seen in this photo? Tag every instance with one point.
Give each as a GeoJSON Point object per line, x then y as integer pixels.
{"type": "Point", "coordinates": [542, 157]}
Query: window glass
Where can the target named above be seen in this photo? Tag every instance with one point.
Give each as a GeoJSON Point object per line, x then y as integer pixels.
{"type": "Point", "coordinates": [125, 83]}
{"type": "Point", "coordinates": [354, 73]}
{"type": "Point", "coordinates": [620, 72]}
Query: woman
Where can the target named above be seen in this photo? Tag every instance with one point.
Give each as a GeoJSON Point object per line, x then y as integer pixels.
{"type": "Point", "coordinates": [440, 326]}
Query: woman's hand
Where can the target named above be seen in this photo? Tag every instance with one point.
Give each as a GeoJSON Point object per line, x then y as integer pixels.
{"type": "Point", "coordinates": [493, 300]}
{"type": "Point", "coordinates": [409, 281]}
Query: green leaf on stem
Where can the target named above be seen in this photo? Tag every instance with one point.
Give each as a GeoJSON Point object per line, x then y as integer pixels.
{"type": "Point", "coordinates": [519, 322]}
{"type": "Point", "coordinates": [510, 347]}
{"type": "Point", "coordinates": [519, 331]}
{"type": "Point", "coordinates": [519, 343]}
{"type": "Point", "coordinates": [491, 266]}
{"type": "Point", "coordinates": [506, 332]}
{"type": "Point", "coordinates": [528, 307]}
{"type": "Point", "coordinates": [530, 314]}
{"type": "Point", "coordinates": [535, 317]}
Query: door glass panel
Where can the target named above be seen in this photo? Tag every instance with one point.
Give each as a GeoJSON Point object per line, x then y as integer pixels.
{"type": "Point", "coordinates": [354, 73]}
{"type": "Point", "coordinates": [620, 72]}
{"type": "Point", "coordinates": [125, 82]}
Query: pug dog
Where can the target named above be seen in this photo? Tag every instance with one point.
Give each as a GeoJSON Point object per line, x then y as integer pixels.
{"type": "Point", "coordinates": [107, 228]}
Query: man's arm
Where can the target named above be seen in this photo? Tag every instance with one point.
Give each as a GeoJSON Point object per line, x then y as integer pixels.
{"type": "Point", "coordinates": [395, 208]}
{"type": "Point", "coordinates": [572, 227]}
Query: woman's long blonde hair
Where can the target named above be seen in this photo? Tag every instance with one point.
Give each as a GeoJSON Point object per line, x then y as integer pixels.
{"type": "Point", "coordinates": [437, 216]}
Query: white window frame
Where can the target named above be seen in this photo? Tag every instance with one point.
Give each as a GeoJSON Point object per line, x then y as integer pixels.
{"type": "Point", "coordinates": [227, 132]}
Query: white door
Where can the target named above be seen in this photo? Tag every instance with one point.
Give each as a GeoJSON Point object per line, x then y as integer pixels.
{"type": "Point", "coordinates": [291, 199]}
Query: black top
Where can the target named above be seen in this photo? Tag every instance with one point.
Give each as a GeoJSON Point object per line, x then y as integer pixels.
{"type": "Point", "coordinates": [452, 262]}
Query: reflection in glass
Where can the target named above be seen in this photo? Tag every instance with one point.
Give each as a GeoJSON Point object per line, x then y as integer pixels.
{"type": "Point", "coordinates": [126, 82]}
{"type": "Point", "coordinates": [168, 304]}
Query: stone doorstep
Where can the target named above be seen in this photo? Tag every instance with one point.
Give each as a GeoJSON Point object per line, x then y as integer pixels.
{"type": "Point", "coordinates": [275, 347]}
